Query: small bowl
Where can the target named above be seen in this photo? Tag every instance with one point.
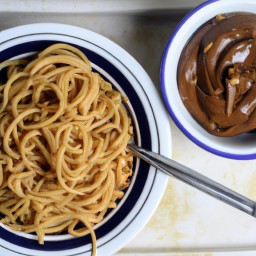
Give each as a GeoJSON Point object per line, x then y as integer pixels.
{"type": "Point", "coordinates": [151, 127]}
{"type": "Point", "coordinates": [242, 147]}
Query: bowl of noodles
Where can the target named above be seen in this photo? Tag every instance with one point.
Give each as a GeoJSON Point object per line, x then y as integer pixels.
{"type": "Point", "coordinates": [70, 103]}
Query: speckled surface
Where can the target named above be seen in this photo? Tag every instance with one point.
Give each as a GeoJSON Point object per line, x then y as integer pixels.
{"type": "Point", "coordinates": [188, 220]}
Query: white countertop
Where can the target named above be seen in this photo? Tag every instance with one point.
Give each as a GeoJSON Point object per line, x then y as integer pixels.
{"type": "Point", "coordinates": [187, 222]}
{"type": "Point", "coordinates": [94, 6]}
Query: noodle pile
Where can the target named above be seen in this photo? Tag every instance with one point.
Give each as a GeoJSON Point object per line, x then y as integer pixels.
{"type": "Point", "coordinates": [63, 144]}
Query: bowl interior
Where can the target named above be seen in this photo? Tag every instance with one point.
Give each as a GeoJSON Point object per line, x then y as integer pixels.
{"type": "Point", "coordinates": [144, 175]}
{"type": "Point", "coordinates": [238, 147]}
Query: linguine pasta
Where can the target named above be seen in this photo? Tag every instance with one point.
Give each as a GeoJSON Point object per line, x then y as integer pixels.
{"type": "Point", "coordinates": [63, 144]}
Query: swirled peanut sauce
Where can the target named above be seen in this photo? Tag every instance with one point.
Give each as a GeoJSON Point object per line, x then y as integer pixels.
{"type": "Point", "coordinates": [217, 74]}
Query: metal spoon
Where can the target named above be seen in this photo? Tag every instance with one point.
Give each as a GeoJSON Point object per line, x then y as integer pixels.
{"type": "Point", "coordinates": [195, 179]}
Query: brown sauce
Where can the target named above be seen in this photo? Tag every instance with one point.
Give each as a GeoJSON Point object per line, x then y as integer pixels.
{"type": "Point", "coordinates": [217, 74]}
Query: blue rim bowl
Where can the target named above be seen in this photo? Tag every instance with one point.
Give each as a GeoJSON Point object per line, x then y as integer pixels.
{"type": "Point", "coordinates": [242, 147]}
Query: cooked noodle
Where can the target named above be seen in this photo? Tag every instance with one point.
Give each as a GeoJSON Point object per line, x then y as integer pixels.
{"type": "Point", "coordinates": [63, 136]}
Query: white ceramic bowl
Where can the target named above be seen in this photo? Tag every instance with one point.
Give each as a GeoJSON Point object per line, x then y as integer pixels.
{"type": "Point", "coordinates": [151, 126]}
{"type": "Point", "coordinates": [238, 147]}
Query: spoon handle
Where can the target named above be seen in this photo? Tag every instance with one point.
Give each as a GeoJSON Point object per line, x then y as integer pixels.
{"type": "Point", "coordinates": [195, 179]}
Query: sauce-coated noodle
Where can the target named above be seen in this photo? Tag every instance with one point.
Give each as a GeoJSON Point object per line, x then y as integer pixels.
{"type": "Point", "coordinates": [63, 136]}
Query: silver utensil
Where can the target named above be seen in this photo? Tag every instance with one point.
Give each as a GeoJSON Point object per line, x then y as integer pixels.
{"type": "Point", "coordinates": [195, 179]}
